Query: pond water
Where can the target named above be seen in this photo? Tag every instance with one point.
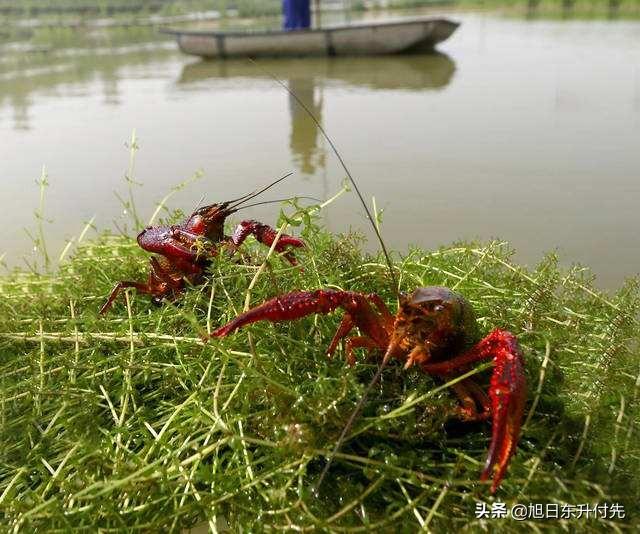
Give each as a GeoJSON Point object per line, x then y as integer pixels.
{"type": "Point", "coordinates": [527, 130]}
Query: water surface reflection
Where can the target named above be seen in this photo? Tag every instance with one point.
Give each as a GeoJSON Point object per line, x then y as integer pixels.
{"type": "Point", "coordinates": [307, 79]}
{"type": "Point", "coordinates": [69, 74]}
{"type": "Point", "coordinates": [525, 130]}
{"type": "Point", "coordinates": [410, 72]}
{"type": "Point", "coordinates": [303, 140]}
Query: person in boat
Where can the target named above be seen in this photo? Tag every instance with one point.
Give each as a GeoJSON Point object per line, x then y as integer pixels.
{"type": "Point", "coordinates": [297, 14]}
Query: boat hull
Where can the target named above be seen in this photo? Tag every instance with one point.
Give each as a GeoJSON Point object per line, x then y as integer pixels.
{"type": "Point", "coordinates": [364, 39]}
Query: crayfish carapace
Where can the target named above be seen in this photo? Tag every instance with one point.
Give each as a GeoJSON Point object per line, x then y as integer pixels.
{"type": "Point", "coordinates": [435, 329]}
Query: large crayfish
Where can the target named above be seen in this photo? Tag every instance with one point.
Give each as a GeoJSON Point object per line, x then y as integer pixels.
{"type": "Point", "coordinates": [185, 250]}
{"type": "Point", "coordinates": [434, 328]}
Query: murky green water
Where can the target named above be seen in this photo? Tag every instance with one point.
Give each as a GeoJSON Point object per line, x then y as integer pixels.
{"type": "Point", "coordinates": [519, 129]}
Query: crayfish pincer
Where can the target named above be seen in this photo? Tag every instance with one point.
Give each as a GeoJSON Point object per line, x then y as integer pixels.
{"type": "Point", "coordinates": [185, 250]}
{"type": "Point", "coordinates": [435, 329]}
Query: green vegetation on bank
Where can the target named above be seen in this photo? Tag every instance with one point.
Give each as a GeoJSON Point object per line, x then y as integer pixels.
{"type": "Point", "coordinates": [256, 8]}
{"type": "Point", "coordinates": [112, 8]}
{"type": "Point", "coordinates": [131, 423]}
{"type": "Point", "coordinates": [541, 8]}
{"type": "Point", "coordinates": [56, 24]}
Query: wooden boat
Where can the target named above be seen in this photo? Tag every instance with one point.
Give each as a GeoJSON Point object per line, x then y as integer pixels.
{"type": "Point", "coordinates": [392, 37]}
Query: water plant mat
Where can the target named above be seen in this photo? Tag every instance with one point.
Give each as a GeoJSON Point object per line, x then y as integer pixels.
{"type": "Point", "coordinates": [132, 423]}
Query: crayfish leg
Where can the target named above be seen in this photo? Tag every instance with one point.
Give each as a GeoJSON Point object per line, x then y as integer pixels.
{"type": "Point", "coordinates": [470, 395]}
{"type": "Point", "coordinates": [161, 282]}
{"type": "Point", "coordinates": [124, 284]}
{"type": "Point", "coordinates": [358, 342]}
{"type": "Point", "coordinates": [346, 325]}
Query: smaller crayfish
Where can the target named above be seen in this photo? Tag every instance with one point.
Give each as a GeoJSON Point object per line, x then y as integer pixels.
{"type": "Point", "coordinates": [185, 250]}
{"type": "Point", "coordinates": [435, 329]}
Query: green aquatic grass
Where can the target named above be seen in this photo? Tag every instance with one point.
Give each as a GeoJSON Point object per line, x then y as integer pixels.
{"type": "Point", "coordinates": [544, 9]}
{"type": "Point", "coordinates": [132, 423]}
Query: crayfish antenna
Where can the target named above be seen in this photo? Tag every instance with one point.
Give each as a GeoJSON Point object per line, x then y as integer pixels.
{"type": "Point", "coordinates": [344, 166]}
{"type": "Point", "coordinates": [387, 257]}
{"type": "Point", "coordinates": [277, 200]}
{"type": "Point", "coordinates": [233, 204]}
{"type": "Point", "coordinates": [393, 345]}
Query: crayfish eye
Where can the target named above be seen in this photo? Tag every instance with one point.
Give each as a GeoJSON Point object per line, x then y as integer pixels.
{"type": "Point", "coordinates": [432, 307]}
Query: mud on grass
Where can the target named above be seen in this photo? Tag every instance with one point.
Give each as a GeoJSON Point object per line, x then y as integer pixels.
{"type": "Point", "coordinates": [130, 422]}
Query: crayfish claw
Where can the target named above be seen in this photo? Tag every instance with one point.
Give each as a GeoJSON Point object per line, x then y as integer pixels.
{"type": "Point", "coordinates": [508, 395]}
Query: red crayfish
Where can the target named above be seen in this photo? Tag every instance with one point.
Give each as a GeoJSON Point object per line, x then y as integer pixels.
{"type": "Point", "coordinates": [185, 250]}
{"type": "Point", "coordinates": [434, 328]}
